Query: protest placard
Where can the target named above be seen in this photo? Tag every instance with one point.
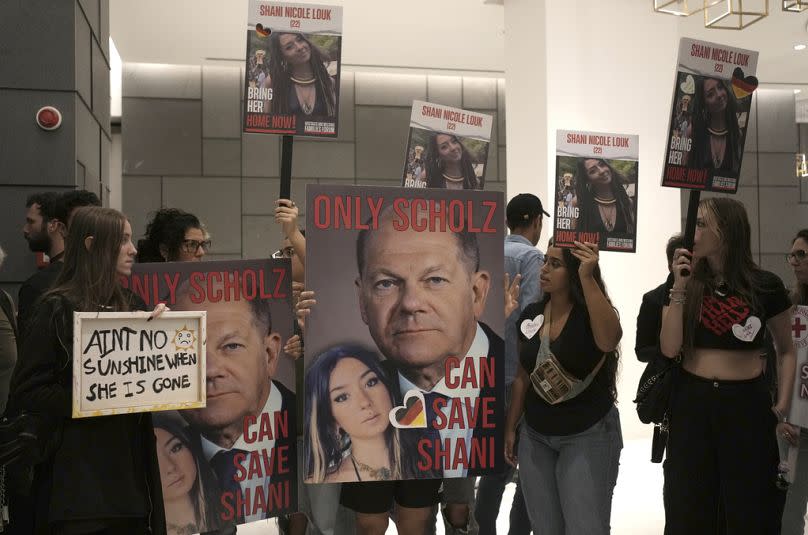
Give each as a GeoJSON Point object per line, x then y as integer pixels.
{"type": "Point", "coordinates": [596, 189]}
{"type": "Point", "coordinates": [798, 414]}
{"type": "Point", "coordinates": [372, 255]}
{"type": "Point", "coordinates": [292, 69]}
{"type": "Point", "coordinates": [712, 96]}
{"type": "Point", "coordinates": [447, 147]}
{"type": "Point", "coordinates": [243, 442]}
{"type": "Point", "coordinates": [124, 363]}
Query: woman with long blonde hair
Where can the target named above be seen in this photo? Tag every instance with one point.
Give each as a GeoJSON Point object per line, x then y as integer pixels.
{"type": "Point", "coordinates": [722, 458]}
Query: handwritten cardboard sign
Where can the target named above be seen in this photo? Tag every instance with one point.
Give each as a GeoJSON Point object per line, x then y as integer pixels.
{"type": "Point", "coordinates": [123, 363]}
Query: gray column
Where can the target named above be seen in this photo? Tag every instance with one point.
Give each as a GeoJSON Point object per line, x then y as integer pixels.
{"type": "Point", "coordinates": [54, 53]}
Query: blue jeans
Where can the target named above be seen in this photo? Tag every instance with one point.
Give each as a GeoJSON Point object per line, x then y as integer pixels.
{"type": "Point", "coordinates": [489, 497]}
{"type": "Point", "coordinates": [568, 481]}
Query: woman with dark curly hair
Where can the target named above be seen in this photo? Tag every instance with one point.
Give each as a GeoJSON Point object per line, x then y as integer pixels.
{"type": "Point", "coordinates": [569, 449]}
{"type": "Point", "coordinates": [173, 236]}
{"type": "Point", "coordinates": [448, 164]}
{"type": "Point", "coordinates": [298, 77]}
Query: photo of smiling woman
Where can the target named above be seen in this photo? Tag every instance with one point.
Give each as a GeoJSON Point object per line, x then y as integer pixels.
{"type": "Point", "coordinates": [601, 195]}
{"type": "Point", "coordinates": [718, 136]}
{"type": "Point", "coordinates": [189, 486]}
{"type": "Point", "coordinates": [299, 77]}
{"type": "Point", "coordinates": [348, 432]}
{"type": "Point", "coordinates": [449, 164]}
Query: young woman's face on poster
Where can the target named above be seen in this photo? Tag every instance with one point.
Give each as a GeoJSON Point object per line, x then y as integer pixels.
{"type": "Point", "coordinates": [715, 96]}
{"type": "Point", "coordinates": [597, 172]}
{"type": "Point", "coordinates": [295, 49]}
{"type": "Point", "coordinates": [177, 465]}
{"type": "Point", "coordinates": [449, 148]}
{"type": "Point", "coordinates": [360, 402]}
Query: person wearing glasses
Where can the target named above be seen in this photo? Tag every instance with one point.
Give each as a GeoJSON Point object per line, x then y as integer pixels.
{"type": "Point", "coordinates": [797, 497]}
{"type": "Point", "coordinates": [173, 235]}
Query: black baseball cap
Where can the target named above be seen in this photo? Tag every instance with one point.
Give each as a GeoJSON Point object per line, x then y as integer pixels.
{"type": "Point", "coordinates": [523, 208]}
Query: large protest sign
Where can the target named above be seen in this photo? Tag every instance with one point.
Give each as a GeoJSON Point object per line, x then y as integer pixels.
{"type": "Point", "coordinates": [404, 356]}
{"type": "Point", "coordinates": [712, 97]}
{"type": "Point", "coordinates": [447, 147]}
{"type": "Point", "coordinates": [124, 363]}
{"type": "Point", "coordinates": [596, 190]}
{"type": "Point", "coordinates": [240, 449]}
{"type": "Point", "coordinates": [798, 414]}
{"type": "Point", "coordinates": [293, 68]}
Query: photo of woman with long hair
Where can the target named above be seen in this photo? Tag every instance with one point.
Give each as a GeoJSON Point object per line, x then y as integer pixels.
{"type": "Point", "coordinates": [601, 196]}
{"type": "Point", "coordinates": [449, 164]}
{"type": "Point", "coordinates": [349, 434]}
{"type": "Point", "coordinates": [190, 490]}
{"type": "Point", "coordinates": [717, 136]}
{"type": "Point", "coordinates": [299, 78]}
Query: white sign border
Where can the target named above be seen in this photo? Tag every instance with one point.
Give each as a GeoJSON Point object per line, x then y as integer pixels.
{"type": "Point", "coordinates": [200, 402]}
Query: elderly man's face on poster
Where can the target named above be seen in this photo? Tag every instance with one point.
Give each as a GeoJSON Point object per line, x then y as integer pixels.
{"type": "Point", "coordinates": [241, 360]}
{"type": "Point", "coordinates": [419, 295]}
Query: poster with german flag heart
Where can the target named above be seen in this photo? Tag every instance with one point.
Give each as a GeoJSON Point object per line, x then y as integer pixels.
{"type": "Point", "coordinates": [712, 98]}
{"type": "Point", "coordinates": [404, 360]}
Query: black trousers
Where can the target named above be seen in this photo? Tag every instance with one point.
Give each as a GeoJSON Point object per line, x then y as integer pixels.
{"type": "Point", "coordinates": [722, 458]}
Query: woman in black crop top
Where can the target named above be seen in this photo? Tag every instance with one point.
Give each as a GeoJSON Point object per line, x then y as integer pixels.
{"type": "Point", "coordinates": [570, 448]}
{"type": "Point", "coordinates": [722, 458]}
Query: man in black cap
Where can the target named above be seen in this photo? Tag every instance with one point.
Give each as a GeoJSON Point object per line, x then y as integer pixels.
{"type": "Point", "coordinates": [524, 217]}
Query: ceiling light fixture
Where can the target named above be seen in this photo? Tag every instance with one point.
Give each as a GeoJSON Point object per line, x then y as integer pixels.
{"type": "Point", "coordinates": [734, 14]}
{"type": "Point", "coordinates": [683, 8]}
{"type": "Point", "coordinates": [795, 6]}
{"type": "Point", "coordinates": [800, 46]}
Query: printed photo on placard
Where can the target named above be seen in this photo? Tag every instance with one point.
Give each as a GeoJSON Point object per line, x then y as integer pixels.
{"type": "Point", "coordinates": [447, 147]}
{"type": "Point", "coordinates": [233, 461]}
{"type": "Point", "coordinates": [596, 188]}
{"type": "Point", "coordinates": [712, 97]}
{"type": "Point", "coordinates": [404, 369]}
{"type": "Point", "coordinates": [798, 413]}
{"type": "Point", "coordinates": [292, 69]}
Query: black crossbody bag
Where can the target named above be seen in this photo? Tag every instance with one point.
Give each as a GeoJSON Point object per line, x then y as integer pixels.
{"type": "Point", "coordinates": [654, 396]}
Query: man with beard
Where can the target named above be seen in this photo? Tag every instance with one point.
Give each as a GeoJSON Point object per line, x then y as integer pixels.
{"type": "Point", "coordinates": [46, 222]}
{"type": "Point", "coordinates": [43, 233]}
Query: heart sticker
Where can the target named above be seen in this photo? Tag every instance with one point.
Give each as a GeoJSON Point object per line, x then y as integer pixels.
{"type": "Point", "coordinates": [688, 87]}
{"type": "Point", "coordinates": [743, 86]}
{"type": "Point", "coordinates": [748, 331]}
{"type": "Point", "coordinates": [261, 31]}
{"type": "Point", "coordinates": [411, 414]}
{"type": "Point", "coordinates": [530, 327]}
